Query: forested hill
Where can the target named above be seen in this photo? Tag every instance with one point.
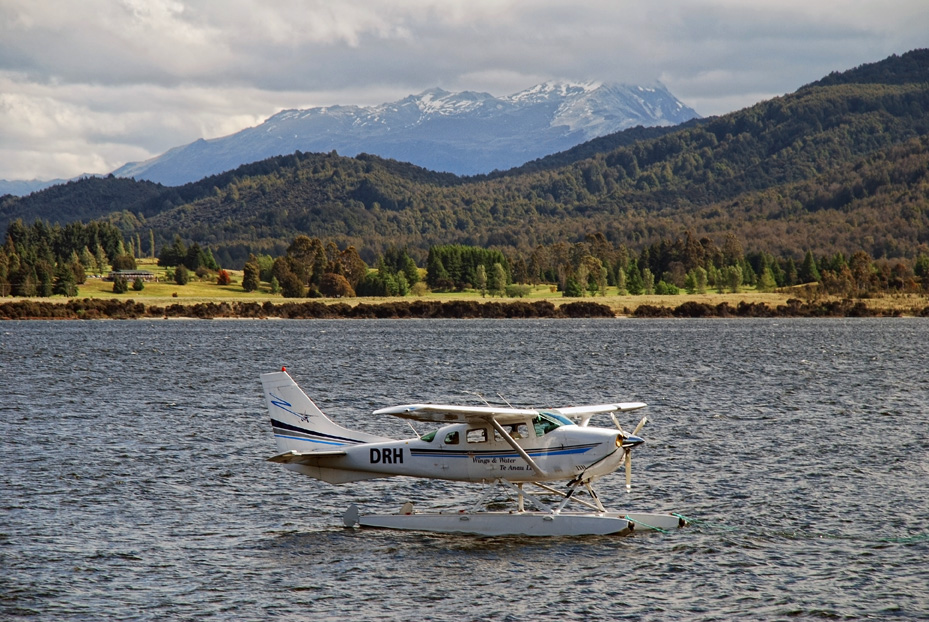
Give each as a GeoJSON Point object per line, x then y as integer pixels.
{"type": "Point", "coordinates": [839, 166]}
{"type": "Point", "coordinates": [912, 67]}
{"type": "Point", "coordinates": [130, 203]}
{"type": "Point", "coordinates": [591, 148]}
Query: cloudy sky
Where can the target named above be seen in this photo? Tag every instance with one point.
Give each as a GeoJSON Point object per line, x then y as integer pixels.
{"type": "Point", "coordinates": [86, 86]}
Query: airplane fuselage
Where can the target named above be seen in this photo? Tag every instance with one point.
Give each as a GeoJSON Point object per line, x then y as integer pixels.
{"type": "Point", "coordinates": [476, 452]}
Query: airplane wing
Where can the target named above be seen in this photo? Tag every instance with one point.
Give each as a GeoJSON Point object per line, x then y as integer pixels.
{"type": "Point", "coordinates": [442, 413]}
{"type": "Point", "coordinates": [303, 457]}
{"type": "Point", "coordinates": [577, 411]}
{"type": "Point", "coordinates": [582, 414]}
{"type": "Point", "coordinates": [445, 413]}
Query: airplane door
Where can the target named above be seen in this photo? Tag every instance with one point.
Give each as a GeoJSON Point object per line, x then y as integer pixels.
{"type": "Point", "coordinates": [481, 466]}
{"type": "Point", "coordinates": [451, 442]}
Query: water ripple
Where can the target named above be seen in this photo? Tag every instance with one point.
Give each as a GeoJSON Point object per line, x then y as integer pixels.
{"type": "Point", "coordinates": [135, 486]}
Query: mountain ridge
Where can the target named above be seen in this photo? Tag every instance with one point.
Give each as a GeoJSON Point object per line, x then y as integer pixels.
{"type": "Point", "coordinates": [466, 133]}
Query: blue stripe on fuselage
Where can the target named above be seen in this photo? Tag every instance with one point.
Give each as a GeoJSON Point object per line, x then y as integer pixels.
{"type": "Point", "coordinates": [462, 453]}
{"type": "Point", "coordinates": [316, 437]}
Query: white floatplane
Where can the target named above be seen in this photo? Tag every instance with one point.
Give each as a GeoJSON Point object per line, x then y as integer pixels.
{"type": "Point", "coordinates": [508, 447]}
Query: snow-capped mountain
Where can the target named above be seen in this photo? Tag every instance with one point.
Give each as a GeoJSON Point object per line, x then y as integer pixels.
{"type": "Point", "coordinates": [465, 133]}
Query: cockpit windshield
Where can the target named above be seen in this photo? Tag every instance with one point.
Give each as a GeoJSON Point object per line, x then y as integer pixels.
{"type": "Point", "coordinates": [428, 437]}
{"type": "Point", "coordinates": [546, 422]}
{"type": "Point", "coordinates": [564, 420]}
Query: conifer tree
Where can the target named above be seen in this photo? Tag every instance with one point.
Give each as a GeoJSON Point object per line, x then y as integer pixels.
{"type": "Point", "coordinates": [809, 272]}
{"type": "Point", "coordinates": [690, 282]}
{"type": "Point", "coordinates": [701, 279]}
{"type": "Point", "coordinates": [181, 275]}
{"type": "Point", "coordinates": [250, 278]}
{"type": "Point", "coordinates": [100, 259]}
{"type": "Point", "coordinates": [766, 281]}
{"type": "Point", "coordinates": [582, 276]}
{"type": "Point", "coordinates": [498, 280]}
{"type": "Point", "coordinates": [634, 279]}
{"type": "Point", "coordinates": [733, 278]}
{"type": "Point", "coordinates": [621, 282]}
{"type": "Point", "coordinates": [648, 281]}
{"type": "Point", "coordinates": [65, 284]}
{"type": "Point", "coordinates": [481, 280]}
{"type": "Point", "coordinates": [120, 286]}
{"type": "Point", "coordinates": [87, 260]}
{"type": "Point", "coordinates": [572, 288]}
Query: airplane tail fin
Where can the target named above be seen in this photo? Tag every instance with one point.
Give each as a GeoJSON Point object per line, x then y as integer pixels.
{"type": "Point", "coordinates": [297, 422]}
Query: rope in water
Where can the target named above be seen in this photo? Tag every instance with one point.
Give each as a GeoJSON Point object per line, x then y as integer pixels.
{"type": "Point", "coordinates": [697, 521]}
{"type": "Point", "coordinates": [638, 522]}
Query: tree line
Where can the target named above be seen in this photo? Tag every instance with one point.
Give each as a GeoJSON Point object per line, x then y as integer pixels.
{"type": "Point", "coordinates": [43, 260]}
{"type": "Point", "coordinates": [314, 268]}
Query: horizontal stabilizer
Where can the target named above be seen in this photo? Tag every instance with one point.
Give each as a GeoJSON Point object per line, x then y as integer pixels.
{"type": "Point", "coordinates": [307, 457]}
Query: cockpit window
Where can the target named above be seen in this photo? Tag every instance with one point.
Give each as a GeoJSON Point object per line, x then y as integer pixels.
{"type": "Point", "coordinates": [451, 438]}
{"type": "Point", "coordinates": [428, 437]}
{"type": "Point", "coordinates": [546, 422]}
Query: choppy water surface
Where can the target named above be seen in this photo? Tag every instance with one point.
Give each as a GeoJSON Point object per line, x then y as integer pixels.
{"type": "Point", "coordinates": [134, 484]}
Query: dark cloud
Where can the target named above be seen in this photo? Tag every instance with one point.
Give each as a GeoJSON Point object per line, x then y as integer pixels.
{"type": "Point", "coordinates": [86, 86]}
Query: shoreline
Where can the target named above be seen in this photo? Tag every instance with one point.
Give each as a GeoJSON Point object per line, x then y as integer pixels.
{"type": "Point", "coordinates": [97, 308]}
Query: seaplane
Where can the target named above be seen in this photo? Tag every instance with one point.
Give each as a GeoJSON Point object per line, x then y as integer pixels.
{"type": "Point", "coordinates": [498, 447]}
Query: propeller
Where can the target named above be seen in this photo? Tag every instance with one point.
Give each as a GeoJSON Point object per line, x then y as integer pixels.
{"type": "Point", "coordinates": [618, 427]}
{"type": "Point", "coordinates": [628, 471]}
{"type": "Point", "coordinates": [628, 450]}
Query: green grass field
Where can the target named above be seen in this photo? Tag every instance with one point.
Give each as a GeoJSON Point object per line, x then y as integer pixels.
{"type": "Point", "coordinates": [166, 292]}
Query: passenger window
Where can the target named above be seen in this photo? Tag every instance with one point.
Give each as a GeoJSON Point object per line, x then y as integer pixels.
{"type": "Point", "coordinates": [451, 438]}
{"type": "Point", "coordinates": [477, 435]}
{"type": "Point", "coordinates": [516, 431]}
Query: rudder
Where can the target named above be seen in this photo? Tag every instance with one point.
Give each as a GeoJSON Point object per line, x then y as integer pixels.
{"type": "Point", "coordinates": [298, 424]}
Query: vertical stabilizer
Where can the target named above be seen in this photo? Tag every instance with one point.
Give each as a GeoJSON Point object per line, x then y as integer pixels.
{"type": "Point", "coordinates": [298, 424]}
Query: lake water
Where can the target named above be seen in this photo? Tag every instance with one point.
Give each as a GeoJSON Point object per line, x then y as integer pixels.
{"type": "Point", "coordinates": [134, 483]}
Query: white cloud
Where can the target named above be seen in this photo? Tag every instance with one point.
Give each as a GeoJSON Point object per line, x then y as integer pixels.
{"type": "Point", "coordinates": [86, 86]}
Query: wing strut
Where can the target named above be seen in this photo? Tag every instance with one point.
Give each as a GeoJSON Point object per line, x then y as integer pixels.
{"type": "Point", "coordinates": [512, 443]}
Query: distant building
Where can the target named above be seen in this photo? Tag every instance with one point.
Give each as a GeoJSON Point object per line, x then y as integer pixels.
{"type": "Point", "coordinates": [131, 275]}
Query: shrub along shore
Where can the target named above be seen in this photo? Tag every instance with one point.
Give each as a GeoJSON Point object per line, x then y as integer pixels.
{"type": "Point", "coordinates": [95, 308]}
